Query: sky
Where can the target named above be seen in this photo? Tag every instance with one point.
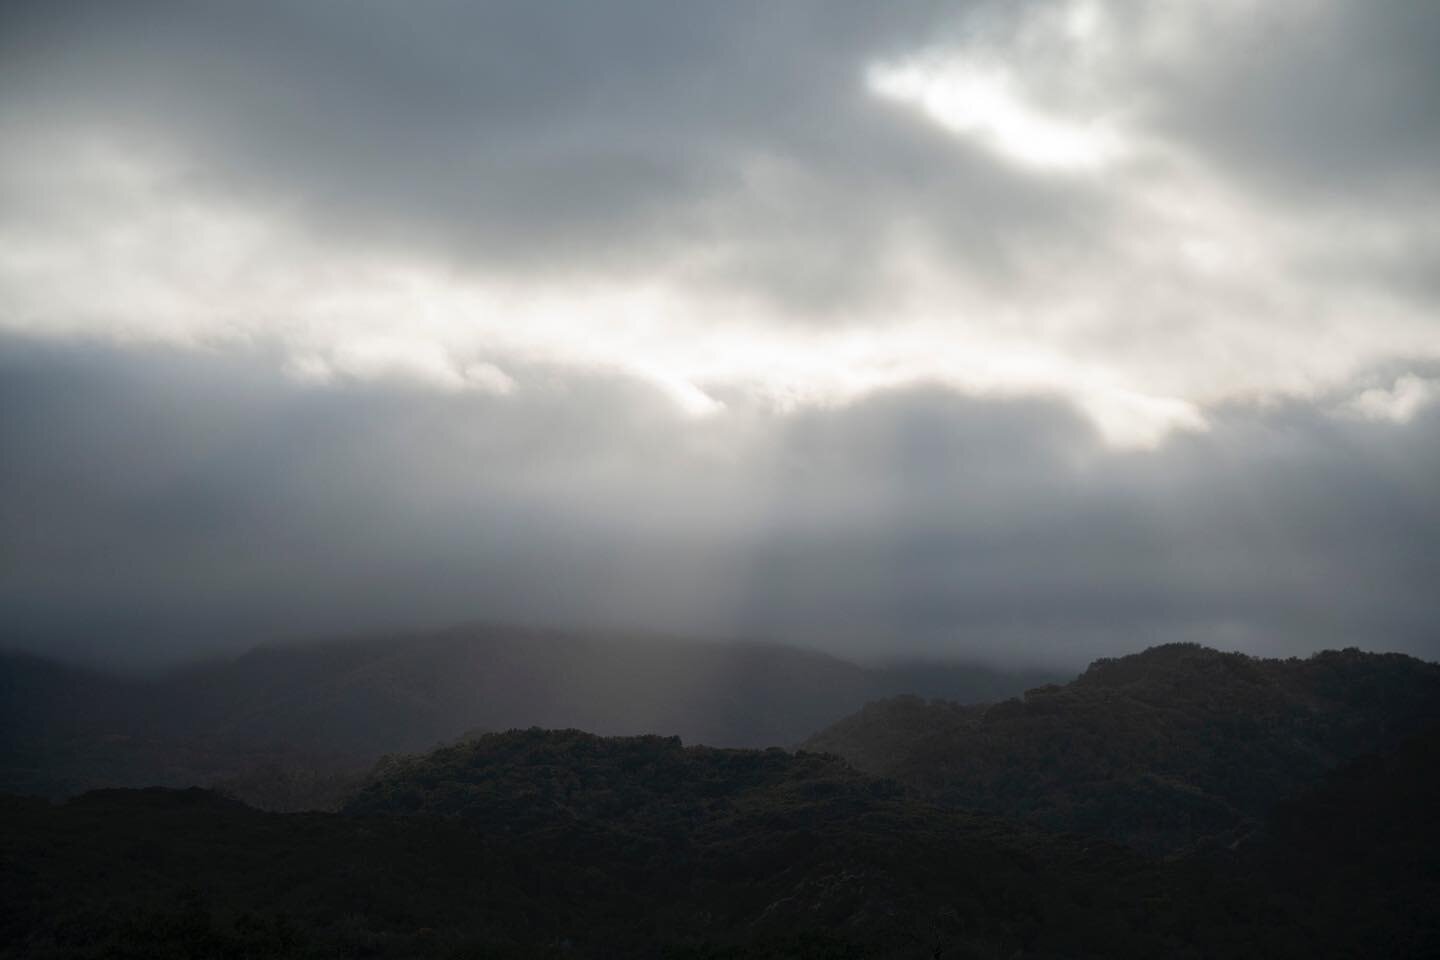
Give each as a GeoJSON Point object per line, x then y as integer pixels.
{"type": "Point", "coordinates": [1030, 331]}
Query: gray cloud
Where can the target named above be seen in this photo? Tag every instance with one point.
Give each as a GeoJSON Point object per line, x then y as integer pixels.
{"type": "Point", "coordinates": [159, 504]}
{"type": "Point", "coordinates": [558, 136]}
{"type": "Point", "coordinates": [558, 139]}
{"type": "Point", "coordinates": [1326, 103]}
{"type": "Point", "coordinates": [237, 241]}
{"type": "Point", "coordinates": [522, 131]}
{"type": "Point", "coordinates": [736, 152]}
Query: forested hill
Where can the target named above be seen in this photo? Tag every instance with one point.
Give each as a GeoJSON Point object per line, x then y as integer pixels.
{"type": "Point", "coordinates": [559, 844]}
{"type": "Point", "coordinates": [325, 708]}
{"type": "Point", "coordinates": [1159, 750]}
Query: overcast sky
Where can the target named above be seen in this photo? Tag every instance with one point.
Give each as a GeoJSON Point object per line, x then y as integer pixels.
{"type": "Point", "coordinates": [1030, 330]}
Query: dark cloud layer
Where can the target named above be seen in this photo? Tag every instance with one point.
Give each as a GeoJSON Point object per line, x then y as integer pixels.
{"type": "Point", "coordinates": [1327, 102]}
{"type": "Point", "coordinates": [562, 137]}
{"type": "Point", "coordinates": [553, 136]}
{"type": "Point", "coordinates": [158, 505]}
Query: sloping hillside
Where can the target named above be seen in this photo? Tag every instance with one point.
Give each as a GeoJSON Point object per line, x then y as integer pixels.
{"type": "Point", "coordinates": [1159, 750]}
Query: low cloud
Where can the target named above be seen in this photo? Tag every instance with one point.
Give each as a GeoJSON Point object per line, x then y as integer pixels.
{"type": "Point", "coordinates": [160, 504]}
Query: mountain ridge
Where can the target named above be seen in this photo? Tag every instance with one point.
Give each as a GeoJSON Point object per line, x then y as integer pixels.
{"type": "Point", "coordinates": [321, 708]}
{"type": "Point", "coordinates": [1160, 750]}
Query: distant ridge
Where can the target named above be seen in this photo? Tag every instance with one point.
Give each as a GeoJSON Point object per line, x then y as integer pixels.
{"type": "Point", "coordinates": [280, 722]}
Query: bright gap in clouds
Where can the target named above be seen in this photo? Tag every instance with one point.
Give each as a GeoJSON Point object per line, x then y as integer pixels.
{"type": "Point", "coordinates": [164, 263]}
{"type": "Point", "coordinates": [973, 101]}
{"type": "Point", "coordinates": [167, 264]}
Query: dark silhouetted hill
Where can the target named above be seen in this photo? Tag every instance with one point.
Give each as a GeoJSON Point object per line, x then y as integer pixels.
{"type": "Point", "coordinates": [1361, 849]}
{"type": "Point", "coordinates": [561, 844]}
{"type": "Point", "coordinates": [1159, 750]}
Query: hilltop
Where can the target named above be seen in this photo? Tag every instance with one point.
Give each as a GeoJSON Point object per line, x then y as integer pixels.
{"type": "Point", "coordinates": [1159, 750]}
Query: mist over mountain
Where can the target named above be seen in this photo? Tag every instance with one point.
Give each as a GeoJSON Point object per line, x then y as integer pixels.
{"type": "Point", "coordinates": [336, 705]}
{"type": "Point", "coordinates": [1292, 802]}
{"type": "Point", "coordinates": [1044, 396]}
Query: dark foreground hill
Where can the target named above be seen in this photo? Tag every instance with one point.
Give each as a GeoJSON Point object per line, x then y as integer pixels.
{"type": "Point", "coordinates": [1158, 750]}
{"type": "Point", "coordinates": [290, 725]}
{"type": "Point", "coordinates": [560, 844]}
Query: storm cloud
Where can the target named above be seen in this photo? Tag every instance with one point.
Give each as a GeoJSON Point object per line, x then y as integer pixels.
{"type": "Point", "coordinates": [1037, 330]}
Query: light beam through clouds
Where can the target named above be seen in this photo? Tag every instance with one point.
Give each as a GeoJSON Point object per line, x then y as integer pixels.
{"type": "Point", "coordinates": [767, 222]}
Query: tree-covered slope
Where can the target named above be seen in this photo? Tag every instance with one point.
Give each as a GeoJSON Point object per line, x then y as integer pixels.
{"type": "Point", "coordinates": [1159, 750]}
{"type": "Point", "coordinates": [561, 844]}
{"type": "Point", "coordinates": [538, 843]}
